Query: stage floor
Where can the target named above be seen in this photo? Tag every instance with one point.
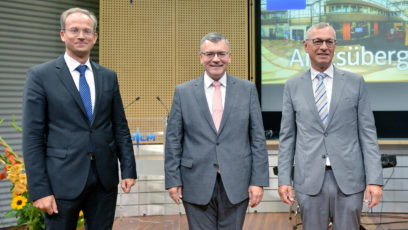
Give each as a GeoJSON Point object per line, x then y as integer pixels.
{"type": "Point", "coordinates": [259, 221]}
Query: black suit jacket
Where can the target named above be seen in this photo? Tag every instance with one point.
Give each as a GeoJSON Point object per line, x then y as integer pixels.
{"type": "Point", "coordinates": [57, 135]}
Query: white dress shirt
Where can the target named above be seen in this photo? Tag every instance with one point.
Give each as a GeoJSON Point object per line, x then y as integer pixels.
{"type": "Point", "coordinates": [328, 84]}
{"type": "Point", "coordinates": [72, 65]}
{"type": "Point", "coordinates": [209, 89]}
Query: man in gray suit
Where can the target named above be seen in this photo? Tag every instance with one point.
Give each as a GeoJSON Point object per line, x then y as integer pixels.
{"type": "Point", "coordinates": [216, 154]}
{"type": "Point", "coordinates": [75, 131]}
{"type": "Point", "coordinates": [329, 137]}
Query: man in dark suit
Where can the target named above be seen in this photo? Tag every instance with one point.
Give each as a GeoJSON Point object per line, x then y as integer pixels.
{"type": "Point", "coordinates": [328, 133]}
{"type": "Point", "coordinates": [75, 130]}
{"type": "Point", "coordinates": [215, 155]}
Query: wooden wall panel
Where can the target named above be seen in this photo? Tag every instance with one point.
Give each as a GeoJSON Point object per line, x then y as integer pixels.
{"type": "Point", "coordinates": [154, 45]}
{"type": "Point", "coordinates": [194, 19]}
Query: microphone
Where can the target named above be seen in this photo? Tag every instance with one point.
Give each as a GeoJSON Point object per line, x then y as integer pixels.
{"type": "Point", "coordinates": [136, 99]}
{"type": "Point", "coordinates": [164, 106]}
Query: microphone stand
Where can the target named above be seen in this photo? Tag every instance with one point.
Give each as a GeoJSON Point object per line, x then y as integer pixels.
{"type": "Point", "coordinates": [136, 99]}
{"type": "Point", "coordinates": [164, 106]}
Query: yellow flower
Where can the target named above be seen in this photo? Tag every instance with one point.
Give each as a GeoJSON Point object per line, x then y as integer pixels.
{"type": "Point", "coordinates": [81, 213]}
{"type": "Point", "coordinates": [16, 168]}
{"type": "Point", "coordinates": [13, 177]}
{"type": "Point", "coordinates": [23, 178]}
{"type": "Point", "coordinates": [18, 202]}
{"type": "Point", "coordinates": [14, 194]}
{"type": "Point", "coordinates": [20, 188]}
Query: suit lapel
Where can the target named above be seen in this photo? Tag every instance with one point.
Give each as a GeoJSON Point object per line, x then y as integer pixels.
{"type": "Point", "coordinates": [230, 98]}
{"type": "Point", "coordinates": [98, 79]}
{"type": "Point", "coordinates": [64, 75]}
{"type": "Point", "coordinates": [338, 85]}
{"type": "Point", "coordinates": [202, 101]}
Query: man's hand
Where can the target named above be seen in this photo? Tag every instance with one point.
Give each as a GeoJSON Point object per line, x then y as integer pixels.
{"type": "Point", "coordinates": [285, 193]}
{"type": "Point", "coordinates": [374, 191]}
{"type": "Point", "coordinates": [175, 194]}
{"type": "Point", "coordinates": [127, 184]}
{"type": "Point", "coordinates": [255, 195]}
{"type": "Point", "coordinates": [47, 204]}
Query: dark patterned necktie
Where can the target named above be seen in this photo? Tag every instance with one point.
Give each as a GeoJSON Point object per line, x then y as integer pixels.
{"type": "Point", "coordinates": [85, 91]}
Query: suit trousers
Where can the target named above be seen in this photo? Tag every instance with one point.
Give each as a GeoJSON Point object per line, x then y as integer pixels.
{"type": "Point", "coordinates": [330, 202]}
{"type": "Point", "coordinates": [218, 214]}
{"type": "Point", "coordinates": [97, 205]}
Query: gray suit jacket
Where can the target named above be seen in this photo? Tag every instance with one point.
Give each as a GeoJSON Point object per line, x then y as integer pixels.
{"type": "Point", "coordinates": [350, 138]}
{"type": "Point", "coordinates": [194, 149]}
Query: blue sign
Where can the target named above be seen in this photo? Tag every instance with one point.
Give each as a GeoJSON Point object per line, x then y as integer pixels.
{"type": "Point", "coordinates": [138, 137]}
{"type": "Point", "coordinates": [358, 29]}
{"type": "Point", "coordinates": [285, 4]}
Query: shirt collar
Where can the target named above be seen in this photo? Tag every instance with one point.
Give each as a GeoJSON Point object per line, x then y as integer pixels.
{"type": "Point", "coordinates": [73, 64]}
{"type": "Point", "coordinates": [329, 72]}
{"type": "Point", "coordinates": [208, 80]}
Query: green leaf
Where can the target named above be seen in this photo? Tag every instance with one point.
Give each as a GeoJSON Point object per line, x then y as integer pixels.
{"type": "Point", "coordinates": [13, 123]}
{"type": "Point", "coordinates": [11, 213]}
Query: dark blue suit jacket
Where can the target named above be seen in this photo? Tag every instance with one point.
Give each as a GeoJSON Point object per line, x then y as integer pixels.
{"type": "Point", "coordinates": [57, 135]}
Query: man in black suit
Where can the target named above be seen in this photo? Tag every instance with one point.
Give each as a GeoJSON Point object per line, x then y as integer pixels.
{"type": "Point", "coordinates": [75, 130]}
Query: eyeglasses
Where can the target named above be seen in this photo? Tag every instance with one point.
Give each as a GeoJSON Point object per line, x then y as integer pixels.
{"type": "Point", "coordinates": [76, 31]}
{"type": "Point", "coordinates": [211, 55]}
{"type": "Point", "coordinates": [319, 42]}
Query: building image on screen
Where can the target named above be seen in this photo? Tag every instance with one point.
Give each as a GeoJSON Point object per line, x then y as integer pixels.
{"type": "Point", "coordinates": [372, 38]}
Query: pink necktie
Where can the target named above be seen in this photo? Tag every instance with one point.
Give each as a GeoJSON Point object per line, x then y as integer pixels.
{"type": "Point", "coordinates": [217, 108]}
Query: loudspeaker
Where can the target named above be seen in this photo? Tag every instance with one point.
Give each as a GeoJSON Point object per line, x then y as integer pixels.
{"type": "Point", "coordinates": [388, 161]}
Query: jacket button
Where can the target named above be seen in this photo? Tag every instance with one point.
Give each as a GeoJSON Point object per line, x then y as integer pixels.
{"type": "Point", "coordinates": [323, 156]}
{"type": "Point", "coordinates": [91, 156]}
{"type": "Point", "coordinates": [326, 134]}
{"type": "Point", "coordinates": [217, 143]}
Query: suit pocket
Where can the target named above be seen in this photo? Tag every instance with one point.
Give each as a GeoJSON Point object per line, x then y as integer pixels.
{"type": "Point", "coordinates": [351, 101]}
{"type": "Point", "coordinates": [59, 153]}
{"type": "Point", "coordinates": [188, 163]}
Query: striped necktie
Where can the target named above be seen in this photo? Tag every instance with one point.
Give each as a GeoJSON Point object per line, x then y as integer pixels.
{"type": "Point", "coordinates": [321, 98]}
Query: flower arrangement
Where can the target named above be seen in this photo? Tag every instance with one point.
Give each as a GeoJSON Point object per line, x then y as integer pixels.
{"type": "Point", "coordinates": [14, 171]}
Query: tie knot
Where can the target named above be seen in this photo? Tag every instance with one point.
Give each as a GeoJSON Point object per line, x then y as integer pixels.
{"type": "Point", "coordinates": [216, 83]}
{"type": "Point", "coordinates": [321, 76]}
{"type": "Point", "coordinates": [81, 69]}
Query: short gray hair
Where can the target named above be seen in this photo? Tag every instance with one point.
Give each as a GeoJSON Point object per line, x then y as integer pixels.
{"type": "Point", "coordinates": [214, 37]}
{"type": "Point", "coordinates": [319, 25]}
{"type": "Point", "coordinates": [66, 13]}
